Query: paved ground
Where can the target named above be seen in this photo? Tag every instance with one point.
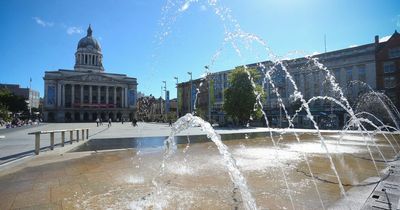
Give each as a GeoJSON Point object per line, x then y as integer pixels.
{"type": "Point", "coordinates": [17, 143]}
{"type": "Point", "coordinates": [194, 177]}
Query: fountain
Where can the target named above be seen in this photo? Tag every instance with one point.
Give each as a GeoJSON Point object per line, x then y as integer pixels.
{"type": "Point", "coordinates": [266, 168]}
{"type": "Point", "coordinates": [233, 31]}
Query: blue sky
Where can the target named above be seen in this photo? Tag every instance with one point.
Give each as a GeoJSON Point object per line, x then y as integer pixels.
{"type": "Point", "coordinates": [158, 40]}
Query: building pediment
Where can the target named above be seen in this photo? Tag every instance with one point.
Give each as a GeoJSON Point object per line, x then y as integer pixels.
{"type": "Point", "coordinates": [92, 78]}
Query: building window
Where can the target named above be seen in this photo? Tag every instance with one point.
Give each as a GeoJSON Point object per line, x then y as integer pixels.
{"type": "Point", "coordinates": [389, 82]}
{"type": "Point", "coordinates": [316, 82]}
{"type": "Point", "coordinates": [392, 95]}
{"type": "Point", "coordinates": [362, 75]}
{"type": "Point", "coordinates": [297, 79]}
{"type": "Point", "coordinates": [349, 74]}
{"type": "Point", "coordinates": [336, 72]}
{"type": "Point", "coordinates": [394, 53]}
{"type": "Point", "coordinates": [389, 67]}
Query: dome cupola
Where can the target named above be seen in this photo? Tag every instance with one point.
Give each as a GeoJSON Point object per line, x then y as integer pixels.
{"type": "Point", "coordinates": [88, 56]}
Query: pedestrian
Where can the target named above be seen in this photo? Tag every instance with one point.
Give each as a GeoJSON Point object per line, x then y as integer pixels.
{"type": "Point", "coordinates": [122, 120]}
{"type": "Point", "coordinates": [134, 122]}
{"type": "Point", "coordinates": [170, 123]}
{"type": "Point", "coordinates": [109, 122]}
{"type": "Point", "coordinates": [97, 122]}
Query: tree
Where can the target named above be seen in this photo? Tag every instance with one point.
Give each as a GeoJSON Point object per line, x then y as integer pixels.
{"type": "Point", "coordinates": [240, 99]}
{"type": "Point", "coordinates": [12, 102]}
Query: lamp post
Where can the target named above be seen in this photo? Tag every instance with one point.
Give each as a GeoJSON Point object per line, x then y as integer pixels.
{"type": "Point", "coordinates": [30, 95]}
{"type": "Point", "coordinates": [191, 84]}
{"type": "Point", "coordinates": [177, 99]}
{"type": "Point", "coordinates": [208, 77]}
{"type": "Point", "coordinates": [165, 95]}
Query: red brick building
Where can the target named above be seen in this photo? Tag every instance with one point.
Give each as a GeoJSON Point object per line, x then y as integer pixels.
{"type": "Point", "coordinates": [388, 67]}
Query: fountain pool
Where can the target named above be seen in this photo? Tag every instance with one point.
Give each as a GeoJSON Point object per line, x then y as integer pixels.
{"type": "Point", "coordinates": [196, 177]}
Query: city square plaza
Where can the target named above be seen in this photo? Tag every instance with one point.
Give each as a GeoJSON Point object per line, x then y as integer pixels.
{"type": "Point", "coordinates": [195, 177]}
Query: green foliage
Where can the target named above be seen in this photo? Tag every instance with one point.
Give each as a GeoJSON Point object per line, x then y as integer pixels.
{"type": "Point", "coordinates": [240, 97]}
{"type": "Point", "coordinates": [12, 102]}
{"type": "Point", "coordinates": [4, 113]}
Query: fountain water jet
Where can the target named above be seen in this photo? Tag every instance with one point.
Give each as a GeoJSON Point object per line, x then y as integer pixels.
{"type": "Point", "coordinates": [238, 179]}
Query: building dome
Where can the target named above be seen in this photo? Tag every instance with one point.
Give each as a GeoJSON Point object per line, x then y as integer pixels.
{"type": "Point", "coordinates": [88, 55]}
{"type": "Point", "coordinates": [89, 41]}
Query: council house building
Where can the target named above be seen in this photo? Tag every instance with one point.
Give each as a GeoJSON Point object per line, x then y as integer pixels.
{"type": "Point", "coordinates": [87, 92]}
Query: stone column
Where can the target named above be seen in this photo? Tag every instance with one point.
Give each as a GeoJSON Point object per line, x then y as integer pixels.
{"type": "Point", "coordinates": [45, 94]}
{"type": "Point", "coordinates": [126, 97]}
{"type": "Point", "coordinates": [58, 96]}
{"type": "Point", "coordinates": [122, 98]}
{"type": "Point", "coordinates": [63, 95]}
{"type": "Point", "coordinates": [115, 96]}
{"type": "Point", "coordinates": [81, 94]}
{"type": "Point", "coordinates": [72, 95]}
{"type": "Point", "coordinates": [106, 94]}
{"type": "Point", "coordinates": [98, 94]}
{"type": "Point", "coordinates": [90, 94]}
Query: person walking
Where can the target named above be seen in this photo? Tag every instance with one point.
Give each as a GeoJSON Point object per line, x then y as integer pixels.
{"type": "Point", "coordinates": [170, 122]}
{"type": "Point", "coordinates": [134, 122]}
{"type": "Point", "coordinates": [97, 122]}
{"type": "Point", "coordinates": [109, 122]}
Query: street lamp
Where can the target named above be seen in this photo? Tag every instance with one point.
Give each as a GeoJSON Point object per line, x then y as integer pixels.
{"type": "Point", "coordinates": [208, 77]}
{"type": "Point", "coordinates": [191, 84]}
{"type": "Point", "coordinates": [177, 99]}
{"type": "Point", "coordinates": [165, 85]}
{"type": "Point", "coordinates": [165, 95]}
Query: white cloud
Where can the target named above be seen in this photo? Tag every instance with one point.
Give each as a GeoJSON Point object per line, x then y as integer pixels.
{"type": "Point", "coordinates": [42, 22]}
{"type": "Point", "coordinates": [384, 39]}
{"type": "Point", "coordinates": [74, 30]}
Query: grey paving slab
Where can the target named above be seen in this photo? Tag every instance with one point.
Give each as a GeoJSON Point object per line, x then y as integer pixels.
{"type": "Point", "coordinates": [386, 194]}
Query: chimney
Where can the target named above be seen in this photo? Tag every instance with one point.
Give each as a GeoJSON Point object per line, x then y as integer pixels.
{"type": "Point", "coordinates": [376, 39]}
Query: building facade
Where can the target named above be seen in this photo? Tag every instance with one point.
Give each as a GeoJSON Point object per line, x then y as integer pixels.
{"type": "Point", "coordinates": [388, 67]}
{"type": "Point", "coordinates": [356, 70]}
{"type": "Point", "coordinates": [87, 92]}
{"type": "Point", "coordinates": [32, 97]}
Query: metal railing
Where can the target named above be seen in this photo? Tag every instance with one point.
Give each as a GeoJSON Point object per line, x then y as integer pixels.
{"type": "Point", "coordinates": [52, 132]}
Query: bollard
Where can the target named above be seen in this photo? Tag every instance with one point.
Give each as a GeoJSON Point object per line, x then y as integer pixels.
{"type": "Point", "coordinates": [37, 143]}
{"type": "Point", "coordinates": [52, 140]}
{"type": "Point", "coordinates": [70, 136]}
{"type": "Point", "coordinates": [62, 138]}
{"type": "Point", "coordinates": [77, 135]}
{"type": "Point", "coordinates": [83, 134]}
{"type": "Point", "coordinates": [87, 133]}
